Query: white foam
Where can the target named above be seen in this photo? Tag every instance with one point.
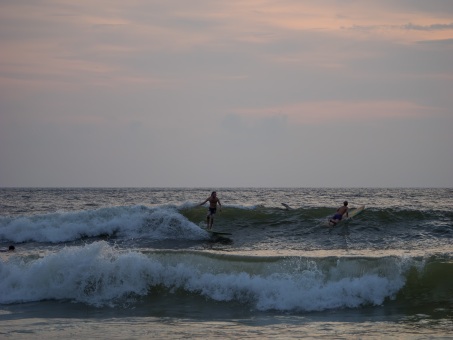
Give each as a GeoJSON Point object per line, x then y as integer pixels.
{"type": "Point", "coordinates": [94, 274]}
{"type": "Point", "coordinates": [128, 222]}
{"type": "Point", "coordinates": [98, 274]}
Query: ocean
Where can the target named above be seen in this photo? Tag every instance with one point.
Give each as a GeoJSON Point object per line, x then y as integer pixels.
{"type": "Point", "coordinates": [135, 263]}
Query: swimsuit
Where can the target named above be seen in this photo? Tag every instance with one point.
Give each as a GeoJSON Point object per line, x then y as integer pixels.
{"type": "Point", "coordinates": [211, 211]}
{"type": "Point", "coordinates": [337, 217]}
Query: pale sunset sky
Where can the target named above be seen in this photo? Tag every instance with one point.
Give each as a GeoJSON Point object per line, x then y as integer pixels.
{"type": "Point", "coordinates": [216, 94]}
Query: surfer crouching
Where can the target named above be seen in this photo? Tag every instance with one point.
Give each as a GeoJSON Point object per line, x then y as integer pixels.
{"type": "Point", "coordinates": [213, 201]}
{"type": "Point", "coordinates": [339, 214]}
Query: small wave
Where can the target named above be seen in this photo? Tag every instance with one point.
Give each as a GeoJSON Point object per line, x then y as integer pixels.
{"type": "Point", "coordinates": [127, 222]}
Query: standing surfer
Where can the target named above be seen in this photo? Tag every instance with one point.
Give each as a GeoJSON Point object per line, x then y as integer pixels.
{"type": "Point", "coordinates": [213, 201]}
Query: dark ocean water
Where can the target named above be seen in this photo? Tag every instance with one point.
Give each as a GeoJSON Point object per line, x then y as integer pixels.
{"type": "Point", "coordinates": [90, 260]}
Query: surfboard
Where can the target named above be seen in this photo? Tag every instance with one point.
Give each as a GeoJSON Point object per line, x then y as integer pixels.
{"type": "Point", "coordinates": [286, 206]}
{"type": "Point", "coordinates": [351, 214]}
{"type": "Point", "coordinates": [216, 233]}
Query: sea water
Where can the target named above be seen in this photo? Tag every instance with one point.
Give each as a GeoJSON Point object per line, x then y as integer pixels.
{"type": "Point", "coordinates": [134, 263]}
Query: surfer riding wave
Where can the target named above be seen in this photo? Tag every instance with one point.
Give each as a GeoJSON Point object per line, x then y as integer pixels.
{"type": "Point", "coordinates": [213, 201]}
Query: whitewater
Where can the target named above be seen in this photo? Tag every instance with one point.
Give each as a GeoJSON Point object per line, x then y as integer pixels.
{"type": "Point", "coordinates": [89, 259]}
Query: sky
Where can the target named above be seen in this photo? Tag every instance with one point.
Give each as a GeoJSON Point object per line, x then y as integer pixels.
{"type": "Point", "coordinates": [205, 93]}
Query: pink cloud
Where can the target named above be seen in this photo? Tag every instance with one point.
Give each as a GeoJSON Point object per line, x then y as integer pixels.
{"type": "Point", "coordinates": [335, 111]}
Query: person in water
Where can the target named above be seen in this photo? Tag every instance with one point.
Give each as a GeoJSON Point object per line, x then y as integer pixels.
{"type": "Point", "coordinates": [213, 201]}
{"type": "Point", "coordinates": [10, 248]}
{"type": "Point", "coordinates": [339, 214]}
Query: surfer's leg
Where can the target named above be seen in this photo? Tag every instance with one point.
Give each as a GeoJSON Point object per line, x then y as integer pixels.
{"type": "Point", "coordinates": [209, 220]}
{"type": "Point", "coordinates": [212, 222]}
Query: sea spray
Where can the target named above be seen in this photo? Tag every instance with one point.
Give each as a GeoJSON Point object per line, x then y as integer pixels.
{"type": "Point", "coordinates": [102, 275]}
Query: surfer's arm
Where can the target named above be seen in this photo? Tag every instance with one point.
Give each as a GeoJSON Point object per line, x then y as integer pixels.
{"type": "Point", "coordinates": [207, 199]}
